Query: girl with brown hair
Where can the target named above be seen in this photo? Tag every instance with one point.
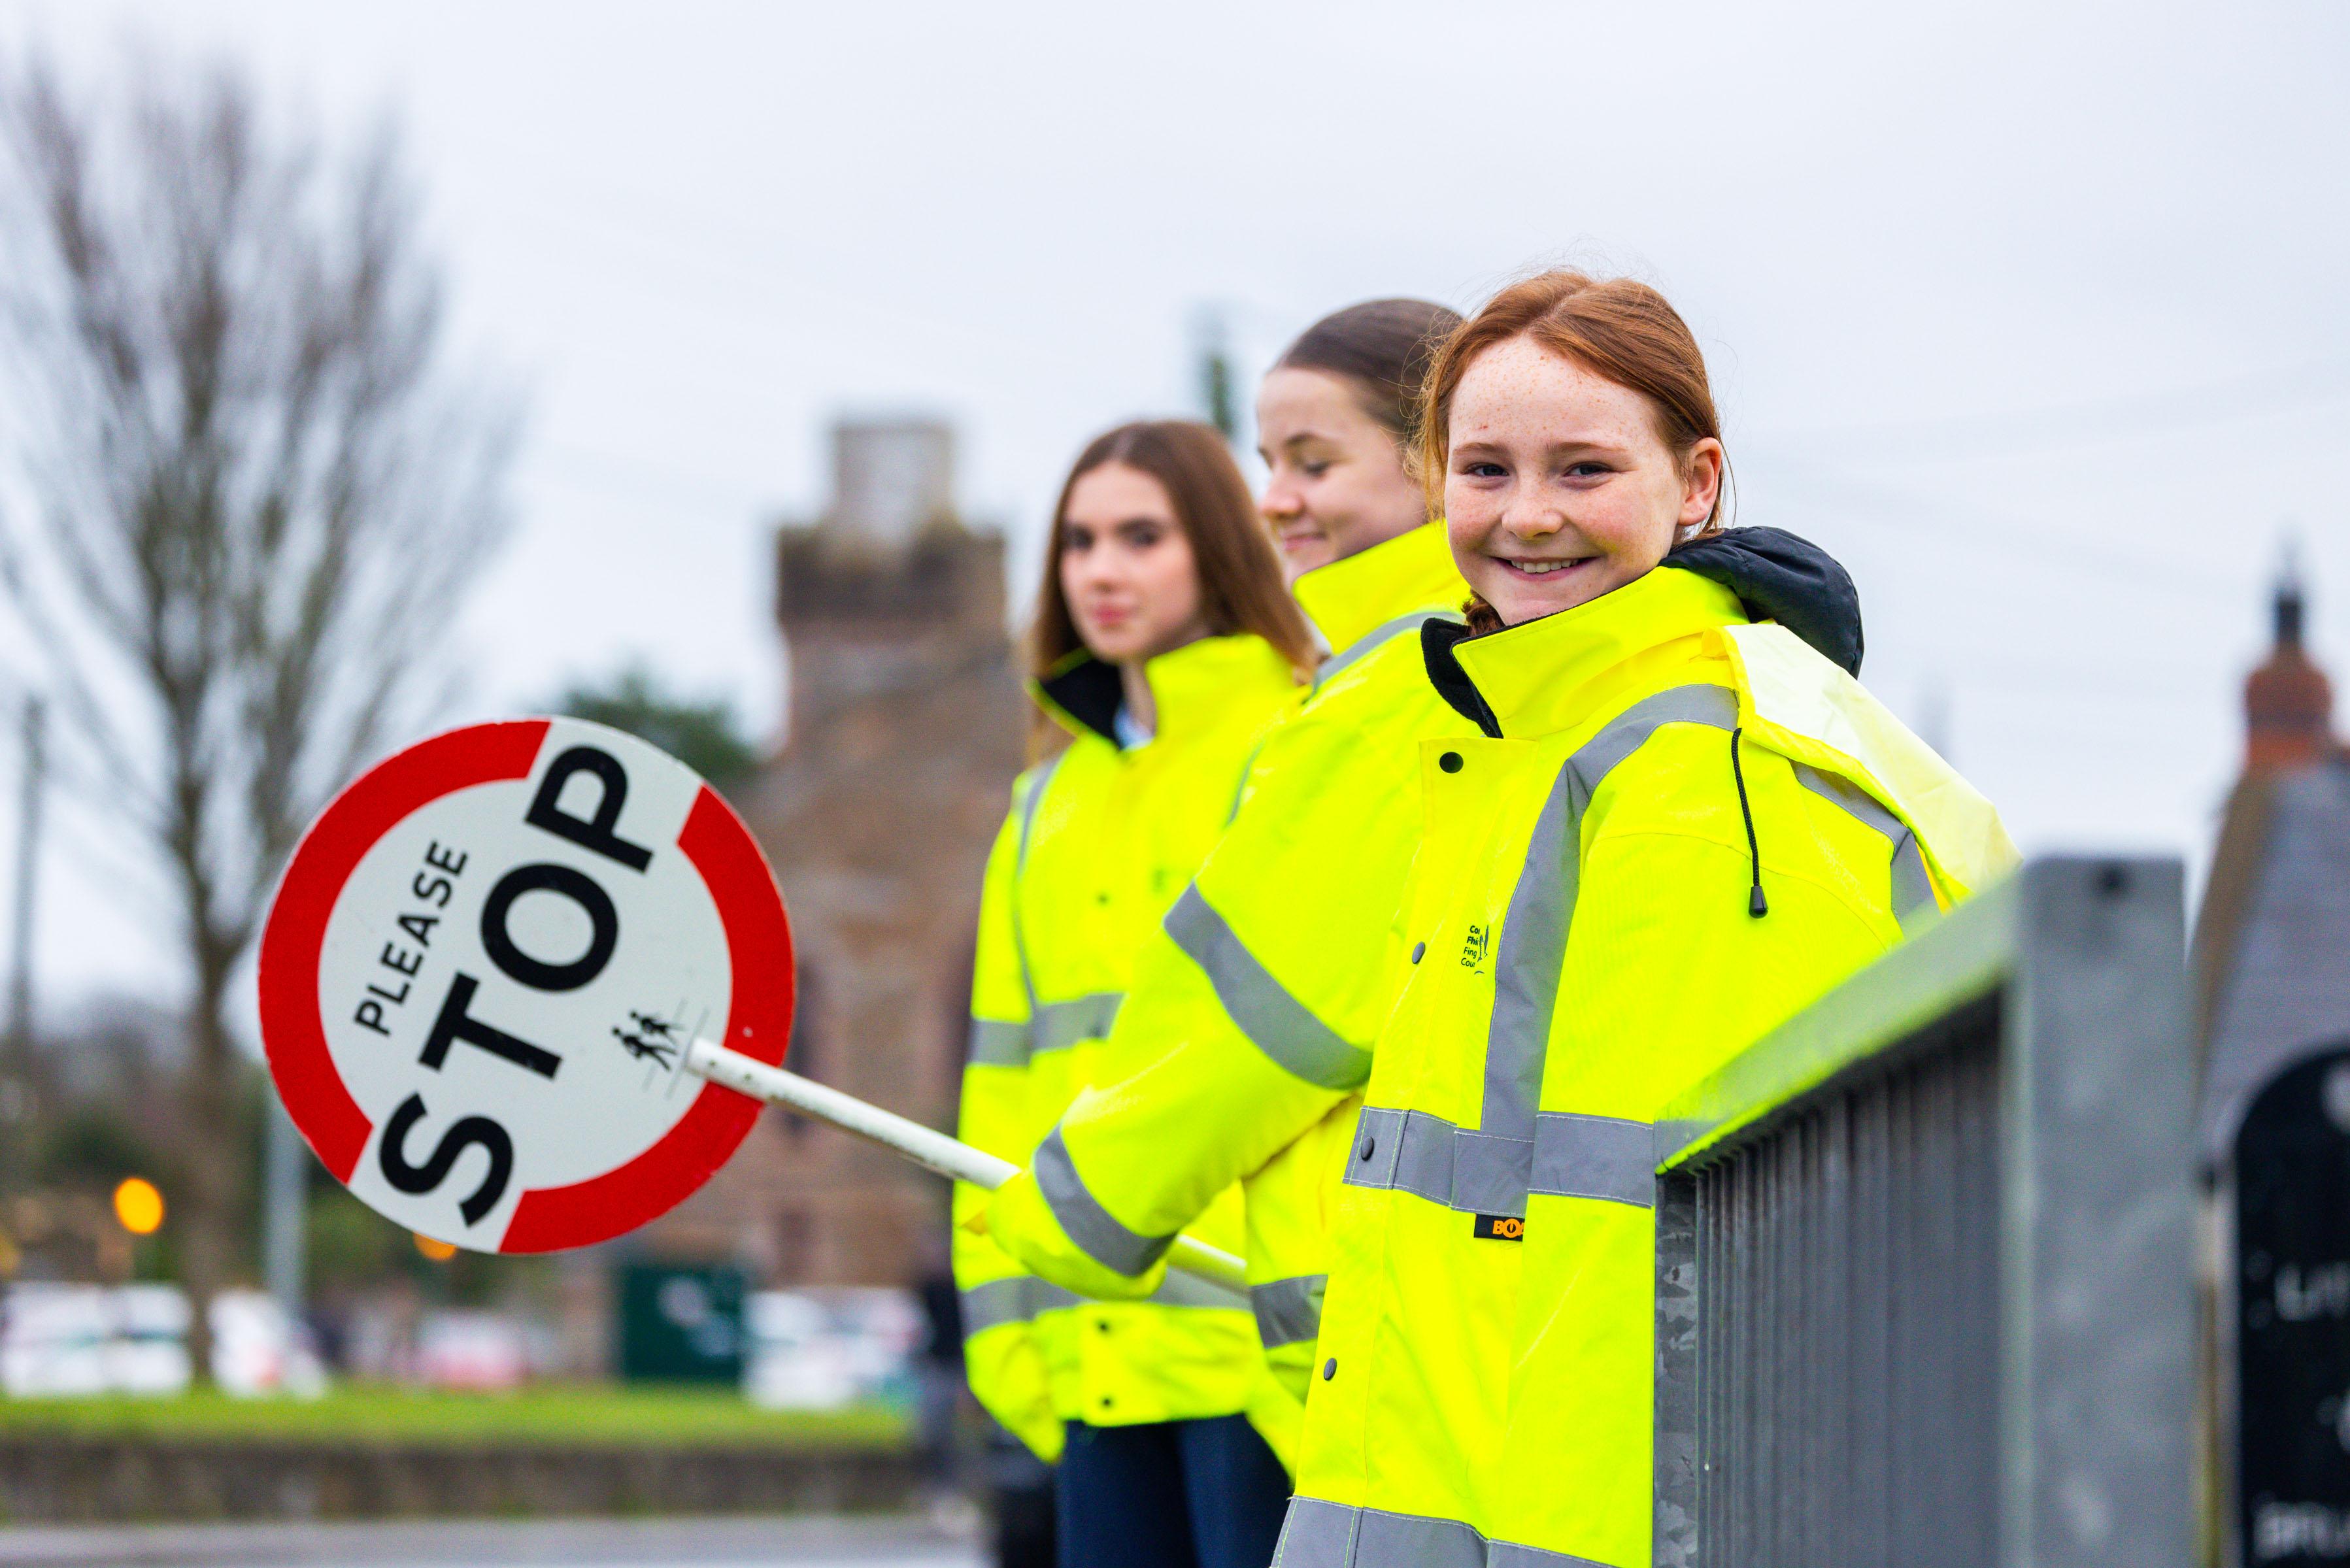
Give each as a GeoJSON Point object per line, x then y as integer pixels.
{"type": "Point", "coordinates": [1163, 646]}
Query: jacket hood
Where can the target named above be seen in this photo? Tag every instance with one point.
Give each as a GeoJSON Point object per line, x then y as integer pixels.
{"type": "Point", "coordinates": [1778, 576]}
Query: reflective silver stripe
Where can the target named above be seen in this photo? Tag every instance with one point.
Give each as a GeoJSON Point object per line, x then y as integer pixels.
{"type": "Point", "coordinates": [1023, 1296]}
{"type": "Point", "coordinates": [1089, 1225]}
{"type": "Point", "coordinates": [1319, 1534]}
{"type": "Point", "coordinates": [1175, 1290]}
{"type": "Point", "coordinates": [1489, 1169]}
{"type": "Point", "coordinates": [1595, 1157]}
{"type": "Point", "coordinates": [1044, 1296]}
{"type": "Point", "coordinates": [1460, 1167]}
{"type": "Point", "coordinates": [996, 1303]}
{"type": "Point", "coordinates": [1542, 906]}
{"type": "Point", "coordinates": [1057, 1025]}
{"type": "Point", "coordinates": [1276, 1022]}
{"type": "Point", "coordinates": [1061, 1025]}
{"type": "Point", "coordinates": [1031, 800]}
{"type": "Point", "coordinates": [1384, 1540]}
{"type": "Point", "coordinates": [1288, 1312]}
{"type": "Point", "coordinates": [1020, 871]}
{"type": "Point", "coordinates": [1532, 947]}
{"type": "Point", "coordinates": [1315, 1534]}
{"type": "Point", "coordinates": [1183, 1291]}
{"type": "Point", "coordinates": [1510, 1554]}
{"type": "Point", "coordinates": [1913, 889]}
{"type": "Point", "coordinates": [998, 1043]}
{"type": "Point", "coordinates": [1371, 641]}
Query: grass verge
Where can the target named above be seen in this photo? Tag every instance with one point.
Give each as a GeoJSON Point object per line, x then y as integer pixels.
{"type": "Point", "coordinates": [620, 1417]}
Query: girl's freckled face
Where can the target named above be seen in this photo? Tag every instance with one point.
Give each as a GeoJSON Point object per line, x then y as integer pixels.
{"type": "Point", "coordinates": [1557, 486]}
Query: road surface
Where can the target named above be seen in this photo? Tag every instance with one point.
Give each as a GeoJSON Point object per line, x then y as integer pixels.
{"type": "Point", "coordinates": [795, 1543]}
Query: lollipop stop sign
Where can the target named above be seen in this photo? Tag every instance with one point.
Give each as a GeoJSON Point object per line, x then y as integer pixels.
{"type": "Point", "coordinates": [484, 969]}
{"type": "Point", "coordinates": [526, 985]}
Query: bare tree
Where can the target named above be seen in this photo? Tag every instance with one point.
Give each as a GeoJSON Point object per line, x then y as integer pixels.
{"type": "Point", "coordinates": [253, 492]}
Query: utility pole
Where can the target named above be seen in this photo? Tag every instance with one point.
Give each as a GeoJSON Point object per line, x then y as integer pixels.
{"type": "Point", "coordinates": [17, 1078]}
{"type": "Point", "coordinates": [285, 1209]}
{"type": "Point", "coordinates": [1216, 370]}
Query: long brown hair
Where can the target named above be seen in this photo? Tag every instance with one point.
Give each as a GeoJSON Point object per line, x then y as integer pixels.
{"type": "Point", "coordinates": [1381, 348]}
{"type": "Point", "coordinates": [1240, 578]}
{"type": "Point", "coordinates": [1616, 329]}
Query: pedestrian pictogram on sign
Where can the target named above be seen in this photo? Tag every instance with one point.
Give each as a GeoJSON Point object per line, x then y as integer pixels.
{"type": "Point", "coordinates": [483, 967]}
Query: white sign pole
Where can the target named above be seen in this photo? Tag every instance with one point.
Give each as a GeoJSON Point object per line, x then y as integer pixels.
{"type": "Point", "coordinates": [926, 1147]}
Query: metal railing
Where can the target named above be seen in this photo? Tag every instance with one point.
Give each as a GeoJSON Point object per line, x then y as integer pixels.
{"type": "Point", "coordinates": [1925, 1256]}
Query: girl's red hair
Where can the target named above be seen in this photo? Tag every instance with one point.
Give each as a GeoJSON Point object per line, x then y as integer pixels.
{"type": "Point", "coordinates": [1614, 327]}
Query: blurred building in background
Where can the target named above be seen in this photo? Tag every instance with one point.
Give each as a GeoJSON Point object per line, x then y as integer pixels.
{"type": "Point", "coordinates": [2292, 789]}
{"type": "Point", "coordinates": [905, 729]}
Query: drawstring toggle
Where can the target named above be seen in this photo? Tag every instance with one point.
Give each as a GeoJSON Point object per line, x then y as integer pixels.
{"type": "Point", "coordinates": [1756, 905]}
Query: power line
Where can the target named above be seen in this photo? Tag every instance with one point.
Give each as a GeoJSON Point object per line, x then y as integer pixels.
{"type": "Point", "coordinates": [1883, 509]}
{"type": "Point", "coordinates": [2249, 395]}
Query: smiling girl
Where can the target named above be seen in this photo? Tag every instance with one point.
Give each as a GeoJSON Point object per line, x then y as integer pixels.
{"type": "Point", "coordinates": [1334, 426]}
{"type": "Point", "coordinates": [1678, 821]}
{"type": "Point", "coordinates": [1164, 645]}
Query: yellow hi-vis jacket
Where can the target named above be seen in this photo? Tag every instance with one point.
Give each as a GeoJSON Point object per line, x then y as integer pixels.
{"type": "Point", "coordinates": [1100, 842]}
{"type": "Point", "coordinates": [1593, 928]}
{"type": "Point", "coordinates": [1246, 1030]}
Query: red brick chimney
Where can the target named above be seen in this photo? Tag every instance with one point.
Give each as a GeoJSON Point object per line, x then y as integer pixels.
{"type": "Point", "coordinates": [2288, 701]}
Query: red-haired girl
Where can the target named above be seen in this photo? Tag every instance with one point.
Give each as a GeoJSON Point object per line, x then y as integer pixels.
{"type": "Point", "coordinates": [1678, 821]}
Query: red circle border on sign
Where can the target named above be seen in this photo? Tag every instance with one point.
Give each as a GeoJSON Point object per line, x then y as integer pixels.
{"type": "Point", "coordinates": [758, 1024]}
{"type": "Point", "coordinates": [293, 1032]}
{"type": "Point", "coordinates": [759, 1010]}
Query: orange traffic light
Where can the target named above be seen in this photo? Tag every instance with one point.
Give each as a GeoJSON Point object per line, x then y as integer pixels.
{"type": "Point", "coordinates": [138, 1205]}
{"type": "Point", "coordinates": [439, 1251]}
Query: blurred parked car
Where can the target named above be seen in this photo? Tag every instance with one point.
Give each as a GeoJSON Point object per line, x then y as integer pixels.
{"type": "Point", "coordinates": [823, 1349]}
{"type": "Point", "coordinates": [65, 1339]}
{"type": "Point", "coordinates": [471, 1350]}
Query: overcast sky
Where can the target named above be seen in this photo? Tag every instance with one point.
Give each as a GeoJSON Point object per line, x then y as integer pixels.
{"type": "Point", "coordinates": [2038, 315]}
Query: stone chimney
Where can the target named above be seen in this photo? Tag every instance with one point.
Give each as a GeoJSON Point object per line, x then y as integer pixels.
{"type": "Point", "coordinates": [2288, 701]}
{"type": "Point", "coordinates": [892, 479]}
{"type": "Point", "coordinates": [888, 588]}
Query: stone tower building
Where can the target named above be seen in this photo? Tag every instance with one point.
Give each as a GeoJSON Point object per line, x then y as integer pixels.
{"type": "Point", "coordinates": [905, 729]}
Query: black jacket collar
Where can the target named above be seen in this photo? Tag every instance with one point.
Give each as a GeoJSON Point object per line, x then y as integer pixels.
{"type": "Point", "coordinates": [1779, 577]}
{"type": "Point", "coordinates": [1089, 690]}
